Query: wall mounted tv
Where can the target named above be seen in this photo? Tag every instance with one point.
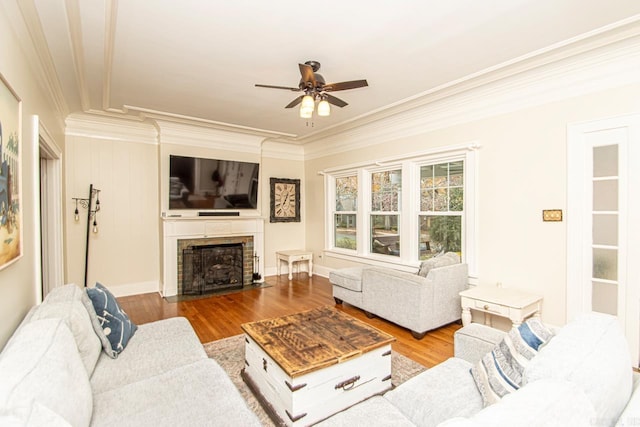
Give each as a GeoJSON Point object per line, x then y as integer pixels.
{"type": "Point", "coordinates": [196, 183]}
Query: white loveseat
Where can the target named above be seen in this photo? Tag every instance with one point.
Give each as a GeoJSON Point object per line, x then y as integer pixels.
{"type": "Point", "coordinates": [581, 377]}
{"type": "Point", "coordinates": [417, 302]}
{"type": "Point", "coordinates": [53, 373]}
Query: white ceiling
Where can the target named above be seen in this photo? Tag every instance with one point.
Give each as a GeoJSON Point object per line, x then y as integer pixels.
{"type": "Point", "coordinates": [200, 59]}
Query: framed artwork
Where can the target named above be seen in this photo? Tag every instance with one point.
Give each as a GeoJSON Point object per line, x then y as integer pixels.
{"type": "Point", "coordinates": [285, 200]}
{"type": "Point", "coordinates": [10, 158]}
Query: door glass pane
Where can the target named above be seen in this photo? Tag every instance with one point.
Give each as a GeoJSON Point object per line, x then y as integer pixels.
{"type": "Point", "coordinates": [385, 238]}
{"type": "Point", "coordinates": [605, 229]}
{"type": "Point", "coordinates": [605, 264]}
{"type": "Point", "coordinates": [345, 232]}
{"type": "Point", "coordinates": [605, 195]}
{"type": "Point", "coordinates": [605, 161]}
{"type": "Point", "coordinates": [604, 297]}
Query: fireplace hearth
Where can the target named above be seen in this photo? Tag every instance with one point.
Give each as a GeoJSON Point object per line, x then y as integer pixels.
{"type": "Point", "coordinates": [211, 268]}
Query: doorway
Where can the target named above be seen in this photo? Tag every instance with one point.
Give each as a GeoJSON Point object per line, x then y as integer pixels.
{"type": "Point", "coordinates": [51, 248]}
{"type": "Point", "coordinates": [603, 208]}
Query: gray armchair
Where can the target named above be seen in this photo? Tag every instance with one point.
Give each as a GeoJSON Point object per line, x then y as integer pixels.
{"type": "Point", "coordinates": [418, 303]}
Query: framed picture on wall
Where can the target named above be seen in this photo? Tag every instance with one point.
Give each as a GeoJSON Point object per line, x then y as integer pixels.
{"type": "Point", "coordinates": [285, 200]}
{"type": "Point", "coordinates": [10, 169]}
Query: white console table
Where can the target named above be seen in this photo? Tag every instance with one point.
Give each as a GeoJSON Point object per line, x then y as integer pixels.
{"type": "Point", "coordinates": [506, 302]}
{"type": "Point", "coordinates": [293, 256]}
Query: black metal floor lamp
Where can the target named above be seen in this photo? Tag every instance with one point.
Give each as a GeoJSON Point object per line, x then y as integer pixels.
{"type": "Point", "coordinates": [92, 210]}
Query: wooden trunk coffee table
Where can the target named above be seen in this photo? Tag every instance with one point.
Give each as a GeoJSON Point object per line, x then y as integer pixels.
{"type": "Point", "coordinates": [307, 366]}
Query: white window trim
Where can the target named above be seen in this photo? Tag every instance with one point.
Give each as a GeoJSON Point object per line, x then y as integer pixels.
{"type": "Point", "coordinates": [408, 220]}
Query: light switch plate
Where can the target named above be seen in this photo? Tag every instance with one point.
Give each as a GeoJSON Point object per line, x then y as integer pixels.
{"type": "Point", "coordinates": [552, 215]}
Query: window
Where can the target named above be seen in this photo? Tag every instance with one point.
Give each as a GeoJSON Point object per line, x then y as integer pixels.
{"type": "Point", "coordinates": [441, 209]}
{"type": "Point", "coordinates": [386, 189]}
{"type": "Point", "coordinates": [346, 209]}
{"type": "Point", "coordinates": [402, 211]}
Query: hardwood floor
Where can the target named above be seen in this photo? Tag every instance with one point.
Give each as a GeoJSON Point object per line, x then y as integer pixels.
{"type": "Point", "coordinates": [219, 317]}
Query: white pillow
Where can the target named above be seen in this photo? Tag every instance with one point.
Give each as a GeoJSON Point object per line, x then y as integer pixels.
{"type": "Point", "coordinates": [43, 366]}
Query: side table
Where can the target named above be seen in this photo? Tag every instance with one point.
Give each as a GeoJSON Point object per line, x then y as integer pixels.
{"type": "Point", "coordinates": [293, 256]}
{"type": "Point", "coordinates": [506, 302]}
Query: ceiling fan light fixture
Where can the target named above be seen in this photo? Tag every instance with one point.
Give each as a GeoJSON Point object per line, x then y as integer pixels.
{"type": "Point", "coordinates": [306, 107]}
{"type": "Point", "coordinates": [324, 109]}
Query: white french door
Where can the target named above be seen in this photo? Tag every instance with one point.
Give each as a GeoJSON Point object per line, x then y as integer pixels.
{"type": "Point", "coordinates": [603, 212]}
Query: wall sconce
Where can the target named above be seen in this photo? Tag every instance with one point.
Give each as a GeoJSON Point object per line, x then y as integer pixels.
{"type": "Point", "coordinates": [92, 211]}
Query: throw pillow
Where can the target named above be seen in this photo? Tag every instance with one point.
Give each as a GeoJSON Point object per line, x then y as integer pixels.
{"type": "Point", "coordinates": [500, 371]}
{"type": "Point", "coordinates": [443, 260]}
{"type": "Point", "coordinates": [113, 325]}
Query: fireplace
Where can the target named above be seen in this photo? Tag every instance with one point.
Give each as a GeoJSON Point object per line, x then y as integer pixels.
{"type": "Point", "coordinates": [209, 268]}
{"type": "Point", "coordinates": [208, 265]}
{"type": "Point", "coordinates": [183, 233]}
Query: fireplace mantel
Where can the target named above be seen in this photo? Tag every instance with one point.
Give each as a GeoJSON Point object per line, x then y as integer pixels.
{"type": "Point", "coordinates": [174, 229]}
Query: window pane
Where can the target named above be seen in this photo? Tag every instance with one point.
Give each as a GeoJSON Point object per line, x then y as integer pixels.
{"type": "Point", "coordinates": [440, 202]}
{"type": "Point", "coordinates": [345, 231]}
{"type": "Point", "coordinates": [439, 234]}
{"type": "Point", "coordinates": [441, 187]}
{"type": "Point", "coordinates": [385, 191]}
{"type": "Point", "coordinates": [385, 237]}
{"type": "Point", "coordinates": [347, 193]}
{"type": "Point", "coordinates": [605, 264]}
{"type": "Point", "coordinates": [426, 200]}
{"type": "Point", "coordinates": [605, 161]}
{"type": "Point", "coordinates": [456, 201]}
{"type": "Point", "coordinates": [456, 170]}
{"type": "Point", "coordinates": [441, 175]}
{"type": "Point", "coordinates": [426, 177]}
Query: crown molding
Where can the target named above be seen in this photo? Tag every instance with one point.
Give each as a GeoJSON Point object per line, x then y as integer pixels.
{"type": "Point", "coordinates": [164, 116]}
{"type": "Point", "coordinates": [576, 68]}
{"type": "Point", "coordinates": [111, 128]}
{"type": "Point", "coordinates": [281, 150]}
{"type": "Point", "coordinates": [198, 136]}
{"type": "Point", "coordinates": [47, 71]}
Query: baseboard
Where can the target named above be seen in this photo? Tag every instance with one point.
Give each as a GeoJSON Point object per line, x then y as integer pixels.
{"type": "Point", "coordinates": [128, 289]}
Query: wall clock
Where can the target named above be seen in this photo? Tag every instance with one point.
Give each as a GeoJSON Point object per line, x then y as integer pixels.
{"type": "Point", "coordinates": [285, 200]}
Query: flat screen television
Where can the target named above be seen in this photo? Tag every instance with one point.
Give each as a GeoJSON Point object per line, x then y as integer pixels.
{"type": "Point", "coordinates": [197, 183]}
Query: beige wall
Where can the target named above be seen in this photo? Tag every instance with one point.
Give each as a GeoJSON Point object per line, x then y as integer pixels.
{"type": "Point", "coordinates": [19, 283]}
{"type": "Point", "coordinates": [125, 251]}
{"type": "Point", "coordinates": [522, 170]}
{"type": "Point", "coordinates": [126, 254]}
{"type": "Point", "coordinates": [282, 235]}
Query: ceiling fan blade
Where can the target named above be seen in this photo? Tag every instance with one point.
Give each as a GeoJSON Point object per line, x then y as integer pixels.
{"type": "Point", "coordinates": [353, 84]}
{"type": "Point", "coordinates": [335, 101]}
{"type": "Point", "coordinates": [294, 89]}
{"type": "Point", "coordinates": [306, 71]}
{"type": "Point", "coordinates": [295, 102]}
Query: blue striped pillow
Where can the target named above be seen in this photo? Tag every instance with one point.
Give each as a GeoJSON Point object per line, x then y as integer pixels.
{"type": "Point", "coordinates": [500, 371]}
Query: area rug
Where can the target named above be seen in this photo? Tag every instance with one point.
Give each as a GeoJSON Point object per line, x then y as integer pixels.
{"type": "Point", "coordinates": [229, 353]}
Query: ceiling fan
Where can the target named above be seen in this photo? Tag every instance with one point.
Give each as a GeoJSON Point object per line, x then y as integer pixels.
{"type": "Point", "coordinates": [315, 89]}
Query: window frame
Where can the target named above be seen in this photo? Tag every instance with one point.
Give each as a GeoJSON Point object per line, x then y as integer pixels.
{"type": "Point", "coordinates": [409, 213]}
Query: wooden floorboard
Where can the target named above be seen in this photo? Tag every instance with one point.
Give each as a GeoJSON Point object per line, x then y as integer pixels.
{"type": "Point", "coordinates": [220, 316]}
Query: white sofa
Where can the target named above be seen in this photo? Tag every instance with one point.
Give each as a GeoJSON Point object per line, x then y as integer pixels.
{"type": "Point", "coordinates": [53, 373]}
{"type": "Point", "coordinates": [418, 303]}
{"type": "Point", "coordinates": [581, 377]}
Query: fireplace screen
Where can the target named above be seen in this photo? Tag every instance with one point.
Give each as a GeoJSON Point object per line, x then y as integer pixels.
{"type": "Point", "coordinates": [211, 268]}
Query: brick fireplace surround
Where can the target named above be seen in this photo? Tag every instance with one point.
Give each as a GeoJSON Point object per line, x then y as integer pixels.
{"type": "Point", "coordinates": [179, 233]}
